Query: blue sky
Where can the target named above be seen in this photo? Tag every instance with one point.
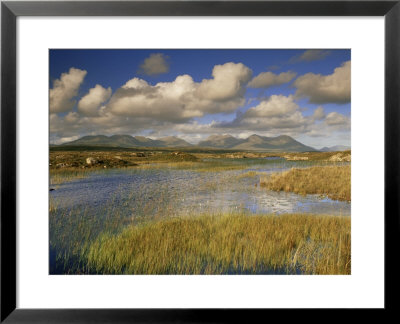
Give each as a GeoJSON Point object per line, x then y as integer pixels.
{"type": "Point", "coordinates": [196, 93]}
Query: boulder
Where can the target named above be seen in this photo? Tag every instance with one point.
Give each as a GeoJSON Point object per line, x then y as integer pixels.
{"type": "Point", "coordinates": [91, 161]}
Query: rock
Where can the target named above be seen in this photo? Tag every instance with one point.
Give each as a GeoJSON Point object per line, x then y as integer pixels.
{"type": "Point", "coordinates": [91, 161]}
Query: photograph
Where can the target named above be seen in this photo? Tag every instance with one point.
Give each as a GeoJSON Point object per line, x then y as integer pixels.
{"type": "Point", "coordinates": [199, 161]}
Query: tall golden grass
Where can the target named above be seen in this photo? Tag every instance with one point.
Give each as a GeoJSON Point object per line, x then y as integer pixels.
{"type": "Point", "coordinates": [227, 244]}
{"type": "Point", "coordinates": [199, 166]}
{"type": "Point", "coordinates": [331, 181]}
{"type": "Point", "coordinates": [58, 176]}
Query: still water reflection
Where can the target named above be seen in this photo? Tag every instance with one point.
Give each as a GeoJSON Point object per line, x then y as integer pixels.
{"type": "Point", "coordinates": [162, 191]}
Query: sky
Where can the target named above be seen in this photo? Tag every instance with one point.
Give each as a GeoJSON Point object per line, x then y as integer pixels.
{"type": "Point", "coordinates": [192, 94]}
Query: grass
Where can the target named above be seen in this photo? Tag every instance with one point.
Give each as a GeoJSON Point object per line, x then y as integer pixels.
{"type": "Point", "coordinates": [331, 181]}
{"type": "Point", "coordinates": [58, 176]}
{"type": "Point", "coordinates": [198, 166]}
{"type": "Point", "coordinates": [250, 174]}
{"type": "Point", "coordinates": [313, 156]}
{"type": "Point", "coordinates": [76, 160]}
{"type": "Point", "coordinates": [71, 233]}
{"type": "Point", "coordinates": [145, 234]}
{"type": "Point", "coordinates": [70, 158]}
{"type": "Point", "coordinates": [227, 244]}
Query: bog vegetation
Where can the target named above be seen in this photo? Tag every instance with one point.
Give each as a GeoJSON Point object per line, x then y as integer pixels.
{"type": "Point", "coordinates": [202, 243]}
{"type": "Point", "coordinates": [227, 244]}
{"type": "Point", "coordinates": [331, 181]}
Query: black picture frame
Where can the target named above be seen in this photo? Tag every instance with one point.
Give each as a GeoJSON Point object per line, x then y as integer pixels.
{"type": "Point", "coordinates": [9, 13]}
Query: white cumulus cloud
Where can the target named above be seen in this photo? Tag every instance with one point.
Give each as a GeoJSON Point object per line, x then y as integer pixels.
{"type": "Point", "coordinates": [319, 113]}
{"type": "Point", "coordinates": [155, 64]}
{"type": "Point", "coordinates": [183, 98]}
{"type": "Point", "coordinates": [333, 88]}
{"type": "Point", "coordinates": [276, 105]}
{"type": "Point", "coordinates": [65, 90]}
{"type": "Point", "coordinates": [277, 113]}
{"type": "Point", "coordinates": [269, 79]}
{"type": "Point", "coordinates": [229, 81]}
{"type": "Point", "coordinates": [311, 55]}
{"type": "Point", "coordinates": [336, 119]}
{"type": "Point", "coordinates": [90, 103]}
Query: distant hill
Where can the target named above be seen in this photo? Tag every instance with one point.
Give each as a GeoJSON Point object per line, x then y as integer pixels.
{"type": "Point", "coordinates": [220, 141]}
{"type": "Point", "coordinates": [254, 142]}
{"type": "Point", "coordinates": [128, 141]}
{"type": "Point", "coordinates": [173, 141]}
{"type": "Point", "coordinates": [335, 148]}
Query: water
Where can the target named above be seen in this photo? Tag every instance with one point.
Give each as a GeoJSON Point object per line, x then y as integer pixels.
{"type": "Point", "coordinates": [109, 200]}
{"type": "Point", "coordinates": [170, 191]}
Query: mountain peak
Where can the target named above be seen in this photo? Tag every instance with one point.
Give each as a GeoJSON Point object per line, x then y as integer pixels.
{"type": "Point", "coordinates": [285, 137]}
{"type": "Point", "coordinates": [217, 136]}
{"type": "Point", "coordinates": [220, 141]}
{"type": "Point", "coordinates": [169, 137]}
{"type": "Point", "coordinates": [254, 142]}
{"type": "Point", "coordinates": [171, 141]}
{"type": "Point", "coordinates": [335, 148]}
{"type": "Point", "coordinates": [143, 139]}
{"type": "Point", "coordinates": [121, 136]}
{"type": "Point", "coordinates": [255, 138]}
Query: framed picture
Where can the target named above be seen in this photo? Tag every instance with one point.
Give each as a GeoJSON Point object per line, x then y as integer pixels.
{"type": "Point", "coordinates": [196, 154]}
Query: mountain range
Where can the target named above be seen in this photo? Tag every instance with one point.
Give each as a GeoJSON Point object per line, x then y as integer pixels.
{"type": "Point", "coordinates": [335, 148]}
{"type": "Point", "coordinates": [254, 142]}
{"type": "Point", "coordinates": [128, 141]}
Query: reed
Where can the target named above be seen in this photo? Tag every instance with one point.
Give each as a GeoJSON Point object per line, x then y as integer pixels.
{"type": "Point", "coordinates": [331, 181]}
{"type": "Point", "coordinates": [227, 244]}
{"type": "Point", "coordinates": [58, 176]}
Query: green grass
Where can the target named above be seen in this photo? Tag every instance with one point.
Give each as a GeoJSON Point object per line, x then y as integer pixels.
{"type": "Point", "coordinates": [331, 181]}
{"type": "Point", "coordinates": [227, 244]}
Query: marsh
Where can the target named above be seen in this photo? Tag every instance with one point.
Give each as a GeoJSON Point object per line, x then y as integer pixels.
{"type": "Point", "coordinates": [108, 201]}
